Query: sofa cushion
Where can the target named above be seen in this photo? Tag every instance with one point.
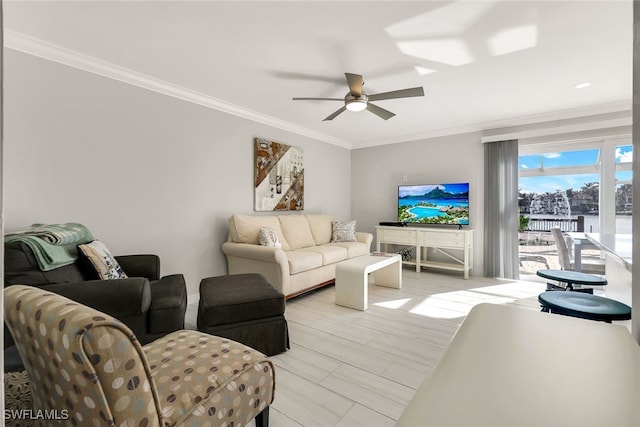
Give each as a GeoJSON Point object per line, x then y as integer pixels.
{"type": "Point", "coordinates": [344, 231]}
{"type": "Point", "coordinates": [300, 261]}
{"type": "Point", "coordinates": [296, 231]}
{"type": "Point", "coordinates": [354, 249]}
{"type": "Point", "coordinates": [320, 225]}
{"type": "Point", "coordinates": [330, 253]}
{"type": "Point", "coordinates": [246, 228]}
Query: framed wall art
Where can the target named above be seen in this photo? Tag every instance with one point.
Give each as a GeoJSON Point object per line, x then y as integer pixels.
{"type": "Point", "coordinates": [279, 176]}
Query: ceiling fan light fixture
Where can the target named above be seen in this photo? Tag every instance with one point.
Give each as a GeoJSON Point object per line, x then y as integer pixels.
{"type": "Point", "coordinates": [355, 103]}
{"type": "Point", "coordinates": [357, 100]}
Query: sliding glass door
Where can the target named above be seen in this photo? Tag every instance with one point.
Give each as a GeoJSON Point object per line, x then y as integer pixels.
{"type": "Point", "coordinates": [579, 186]}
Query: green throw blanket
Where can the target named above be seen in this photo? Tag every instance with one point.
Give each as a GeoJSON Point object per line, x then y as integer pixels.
{"type": "Point", "coordinates": [54, 245]}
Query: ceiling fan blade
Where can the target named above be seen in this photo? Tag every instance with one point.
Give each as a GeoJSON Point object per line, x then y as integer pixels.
{"type": "Point", "coordinates": [402, 93]}
{"type": "Point", "coordinates": [355, 83]}
{"type": "Point", "coordinates": [335, 114]}
{"type": "Point", "coordinates": [318, 99]}
{"type": "Point", "coordinates": [380, 112]}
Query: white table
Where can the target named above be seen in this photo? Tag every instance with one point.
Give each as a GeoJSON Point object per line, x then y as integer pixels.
{"type": "Point", "coordinates": [510, 366]}
{"type": "Point", "coordinates": [352, 278]}
{"type": "Point", "coordinates": [618, 245]}
{"type": "Point", "coordinates": [453, 247]}
{"type": "Point", "coordinates": [618, 263]}
{"type": "Point", "coordinates": [578, 241]}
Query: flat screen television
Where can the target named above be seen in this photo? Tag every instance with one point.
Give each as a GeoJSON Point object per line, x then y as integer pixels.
{"type": "Point", "coordinates": [434, 204]}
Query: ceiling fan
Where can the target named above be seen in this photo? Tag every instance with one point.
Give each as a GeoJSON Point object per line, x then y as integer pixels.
{"type": "Point", "coordinates": [357, 100]}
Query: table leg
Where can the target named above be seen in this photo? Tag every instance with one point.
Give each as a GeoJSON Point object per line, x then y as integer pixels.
{"type": "Point", "coordinates": [351, 288]}
{"type": "Point", "coordinates": [389, 276]}
{"type": "Point", "coordinates": [577, 255]}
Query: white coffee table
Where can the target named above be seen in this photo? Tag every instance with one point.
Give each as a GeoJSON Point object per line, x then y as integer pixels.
{"type": "Point", "coordinates": [511, 366]}
{"type": "Point", "coordinates": [352, 278]}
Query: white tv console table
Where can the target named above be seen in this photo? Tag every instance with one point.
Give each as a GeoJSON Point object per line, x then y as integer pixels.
{"type": "Point", "coordinates": [443, 240]}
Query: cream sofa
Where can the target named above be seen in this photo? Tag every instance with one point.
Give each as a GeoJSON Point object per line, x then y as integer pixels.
{"type": "Point", "coordinates": [307, 258]}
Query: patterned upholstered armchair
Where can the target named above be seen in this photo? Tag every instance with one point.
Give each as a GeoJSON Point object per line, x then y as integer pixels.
{"type": "Point", "coordinates": [88, 368]}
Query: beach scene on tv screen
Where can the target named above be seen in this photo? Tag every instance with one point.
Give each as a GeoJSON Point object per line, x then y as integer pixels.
{"type": "Point", "coordinates": [434, 204]}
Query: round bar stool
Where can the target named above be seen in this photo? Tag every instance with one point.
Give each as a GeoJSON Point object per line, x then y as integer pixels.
{"type": "Point", "coordinates": [571, 278]}
{"type": "Point", "coordinates": [585, 306]}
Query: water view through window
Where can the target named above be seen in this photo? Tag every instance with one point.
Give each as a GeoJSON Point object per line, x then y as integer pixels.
{"type": "Point", "coordinates": [566, 185]}
{"type": "Point", "coordinates": [558, 190]}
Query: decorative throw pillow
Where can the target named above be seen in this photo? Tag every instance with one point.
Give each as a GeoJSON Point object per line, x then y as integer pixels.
{"type": "Point", "coordinates": [102, 261]}
{"type": "Point", "coordinates": [344, 231]}
{"type": "Point", "coordinates": [268, 237]}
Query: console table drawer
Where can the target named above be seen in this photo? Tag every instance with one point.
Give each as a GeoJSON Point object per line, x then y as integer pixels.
{"type": "Point", "coordinates": [397, 236]}
{"type": "Point", "coordinates": [443, 240]}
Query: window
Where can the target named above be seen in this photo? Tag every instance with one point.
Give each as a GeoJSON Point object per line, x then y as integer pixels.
{"type": "Point", "coordinates": [590, 179]}
{"type": "Point", "coordinates": [554, 184]}
{"type": "Point", "coordinates": [560, 159]}
{"type": "Point", "coordinates": [624, 188]}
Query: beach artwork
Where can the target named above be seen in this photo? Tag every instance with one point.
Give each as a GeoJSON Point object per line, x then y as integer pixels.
{"type": "Point", "coordinates": [434, 204]}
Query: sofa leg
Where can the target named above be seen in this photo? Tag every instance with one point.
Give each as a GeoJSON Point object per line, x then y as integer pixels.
{"type": "Point", "coordinates": [262, 419]}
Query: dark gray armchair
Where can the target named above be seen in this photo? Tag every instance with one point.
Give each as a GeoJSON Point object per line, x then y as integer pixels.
{"type": "Point", "coordinates": [150, 305]}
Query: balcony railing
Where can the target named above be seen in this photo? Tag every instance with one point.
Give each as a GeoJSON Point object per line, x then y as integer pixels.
{"type": "Point", "coordinates": [565, 224]}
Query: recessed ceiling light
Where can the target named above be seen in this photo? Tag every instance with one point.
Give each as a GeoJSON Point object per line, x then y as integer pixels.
{"type": "Point", "coordinates": [582, 85]}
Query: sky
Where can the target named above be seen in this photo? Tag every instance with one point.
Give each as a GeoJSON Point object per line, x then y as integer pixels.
{"type": "Point", "coordinates": [542, 184]}
{"type": "Point", "coordinates": [418, 190]}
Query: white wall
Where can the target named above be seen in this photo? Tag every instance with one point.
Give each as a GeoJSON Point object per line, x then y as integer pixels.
{"type": "Point", "coordinates": [147, 173]}
{"type": "Point", "coordinates": [635, 287]}
{"type": "Point", "coordinates": [377, 172]}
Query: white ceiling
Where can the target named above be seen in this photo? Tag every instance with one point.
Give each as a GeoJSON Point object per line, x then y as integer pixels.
{"type": "Point", "coordinates": [493, 63]}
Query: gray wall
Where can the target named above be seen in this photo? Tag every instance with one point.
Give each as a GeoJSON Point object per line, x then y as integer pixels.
{"type": "Point", "coordinates": [377, 172]}
{"type": "Point", "coordinates": [147, 173]}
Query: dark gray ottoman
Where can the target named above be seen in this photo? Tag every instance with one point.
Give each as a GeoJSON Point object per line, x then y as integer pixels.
{"type": "Point", "coordinates": [244, 308]}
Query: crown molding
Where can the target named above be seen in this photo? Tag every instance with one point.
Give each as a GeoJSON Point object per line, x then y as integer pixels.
{"type": "Point", "coordinates": [601, 116]}
{"type": "Point", "coordinates": [33, 46]}
{"type": "Point", "coordinates": [499, 129]}
{"type": "Point", "coordinates": [30, 45]}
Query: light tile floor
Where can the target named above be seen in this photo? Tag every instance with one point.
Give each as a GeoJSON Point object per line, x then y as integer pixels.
{"type": "Point", "coordinates": [361, 368]}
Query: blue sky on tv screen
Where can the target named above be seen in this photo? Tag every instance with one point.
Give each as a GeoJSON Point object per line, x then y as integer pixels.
{"type": "Point", "coordinates": [542, 184]}
{"type": "Point", "coordinates": [418, 190]}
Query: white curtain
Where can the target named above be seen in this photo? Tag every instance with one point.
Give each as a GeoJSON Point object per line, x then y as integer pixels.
{"type": "Point", "coordinates": [501, 209]}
